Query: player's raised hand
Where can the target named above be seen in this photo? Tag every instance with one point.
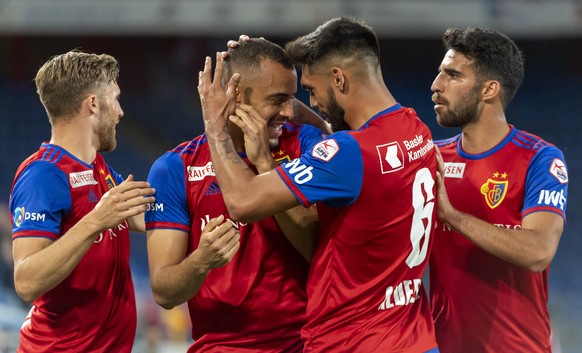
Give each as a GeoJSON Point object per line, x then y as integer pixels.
{"type": "Point", "coordinates": [125, 200]}
{"type": "Point", "coordinates": [219, 242]}
{"type": "Point", "coordinates": [254, 128]}
{"type": "Point", "coordinates": [218, 102]}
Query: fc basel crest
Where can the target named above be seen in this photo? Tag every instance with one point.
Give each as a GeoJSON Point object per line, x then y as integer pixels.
{"type": "Point", "coordinates": [280, 156]}
{"type": "Point", "coordinates": [110, 181]}
{"type": "Point", "coordinates": [495, 190]}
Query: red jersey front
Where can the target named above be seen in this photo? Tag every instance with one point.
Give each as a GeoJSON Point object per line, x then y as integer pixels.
{"type": "Point", "coordinates": [375, 195]}
{"type": "Point", "coordinates": [93, 309]}
{"type": "Point", "coordinates": [256, 303]}
{"type": "Point", "coordinates": [480, 302]}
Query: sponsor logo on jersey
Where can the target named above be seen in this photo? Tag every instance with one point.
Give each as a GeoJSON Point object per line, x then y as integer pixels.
{"type": "Point", "coordinates": [199, 173]}
{"type": "Point", "coordinates": [558, 169]}
{"type": "Point", "coordinates": [84, 178]}
{"type": "Point", "coordinates": [454, 170]}
{"type": "Point", "coordinates": [110, 182]}
{"type": "Point", "coordinates": [280, 156]}
{"type": "Point", "coordinates": [552, 198]}
{"type": "Point", "coordinates": [391, 157]}
{"type": "Point", "coordinates": [204, 221]}
{"type": "Point", "coordinates": [213, 189]}
{"type": "Point", "coordinates": [21, 215]}
{"type": "Point", "coordinates": [404, 293]}
{"type": "Point", "coordinates": [325, 150]}
{"type": "Point", "coordinates": [92, 197]}
{"type": "Point", "coordinates": [415, 142]}
{"type": "Point", "coordinates": [300, 172]}
{"type": "Point", "coordinates": [421, 151]}
{"type": "Point", "coordinates": [112, 232]}
{"type": "Point", "coordinates": [155, 207]}
{"type": "Point", "coordinates": [495, 190]}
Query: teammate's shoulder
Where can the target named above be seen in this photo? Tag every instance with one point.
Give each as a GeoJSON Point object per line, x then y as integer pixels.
{"type": "Point", "coordinates": [529, 141]}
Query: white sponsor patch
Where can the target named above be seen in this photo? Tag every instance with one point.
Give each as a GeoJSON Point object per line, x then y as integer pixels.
{"type": "Point", "coordinates": [552, 198]}
{"type": "Point", "coordinates": [391, 157]}
{"type": "Point", "coordinates": [454, 170]}
{"type": "Point", "coordinates": [199, 173]}
{"type": "Point", "coordinates": [325, 150]}
{"type": "Point", "coordinates": [558, 169]}
{"type": "Point", "coordinates": [79, 179]}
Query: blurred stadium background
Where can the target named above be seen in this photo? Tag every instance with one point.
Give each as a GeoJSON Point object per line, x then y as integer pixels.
{"type": "Point", "coordinates": [161, 45]}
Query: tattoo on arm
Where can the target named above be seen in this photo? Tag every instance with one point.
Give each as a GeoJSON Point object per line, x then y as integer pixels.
{"type": "Point", "coordinates": [230, 151]}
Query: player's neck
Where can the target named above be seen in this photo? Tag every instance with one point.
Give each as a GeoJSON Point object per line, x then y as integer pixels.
{"type": "Point", "coordinates": [367, 102]}
{"type": "Point", "coordinates": [77, 140]}
{"type": "Point", "coordinates": [484, 134]}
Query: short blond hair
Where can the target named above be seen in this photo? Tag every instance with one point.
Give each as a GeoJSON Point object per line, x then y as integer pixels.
{"type": "Point", "coordinates": [66, 79]}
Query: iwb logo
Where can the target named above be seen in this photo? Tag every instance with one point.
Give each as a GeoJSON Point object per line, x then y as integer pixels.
{"type": "Point", "coordinates": [300, 172]}
{"type": "Point", "coordinates": [391, 157]}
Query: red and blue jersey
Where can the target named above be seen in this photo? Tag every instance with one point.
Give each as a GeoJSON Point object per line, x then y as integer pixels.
{"type": "Point", "coordinates": [375, 195]}
{"type": "Point", "coordinates": [255, 303]}
{"type": "Point", "coordinates": [93, 309]}
{"type": "Point", "coordinates": [480, 302]}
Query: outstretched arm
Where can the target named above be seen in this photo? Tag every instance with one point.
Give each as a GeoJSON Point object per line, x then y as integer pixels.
{"type": "Point", "coordinates": [532, 247]}
{"type": "Point", "coordinates": [175, 277]}
{"type": "Point", "coordinates": [41, 264]}
{"type": "Point", "coordinates": [248, 197]}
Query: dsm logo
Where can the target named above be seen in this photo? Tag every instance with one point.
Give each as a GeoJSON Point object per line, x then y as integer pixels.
{"type": "Point", "coordinates": [21, 215]}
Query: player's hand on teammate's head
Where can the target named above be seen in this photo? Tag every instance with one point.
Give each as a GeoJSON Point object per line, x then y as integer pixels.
{"type": "Point", "coordinates": [231, 44]}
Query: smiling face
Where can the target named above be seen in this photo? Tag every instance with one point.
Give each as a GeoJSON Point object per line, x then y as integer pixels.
{"type": "Point", "coordinates": [456, 91]}
{"type": "Point", "coordinates": [270, 93]}
{"type": "Point", "coordinates": [322, 97]}
{"type": "Point", "coordinates": [110, 113]}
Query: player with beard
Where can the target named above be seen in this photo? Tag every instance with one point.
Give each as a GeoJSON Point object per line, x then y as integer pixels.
{"type": "Point", "coordinates": [373, 184]}
{"type": "Point", "coordinates": [71, 215]}
{"type": "Point", "coordinates": [245, 286]}
{"type": "Point", "coordinates": [505, 210]}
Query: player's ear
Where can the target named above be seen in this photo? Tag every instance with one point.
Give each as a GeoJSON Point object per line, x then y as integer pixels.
{"type": "Point", "coordinates": [238, 94]}
{"type": "Point", "coordinates": [491, 90]}
{"type": "Point", "coordinates": [90, 103]}
{"type": "Point", "coordinates": [338, 79]}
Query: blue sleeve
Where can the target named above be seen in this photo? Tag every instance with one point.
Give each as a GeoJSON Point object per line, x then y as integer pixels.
{"type": "Point", "coordinates": [39, 201]}
{"type": "Point", "coordinates": [170, 210]}
{"type": "Point", "coordinates": [309, 135]}
{"type": "Point", "coordinates": [330, 172]}
{"type": "Point", "coordinates": [546, 187]}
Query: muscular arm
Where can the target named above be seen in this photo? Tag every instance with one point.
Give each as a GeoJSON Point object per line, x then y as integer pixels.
{"type": "Point", "coordinates": [175, 277]}
{"type": "Point", "coordinates": [41, 264]}
{"type": "Point", "coordinates": [248, 197]}
{"type": "Point", "coordinates": [532, 247]}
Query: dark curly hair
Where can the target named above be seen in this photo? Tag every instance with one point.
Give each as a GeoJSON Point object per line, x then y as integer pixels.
{"type": "Point", "coordinates": [496, 57]}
